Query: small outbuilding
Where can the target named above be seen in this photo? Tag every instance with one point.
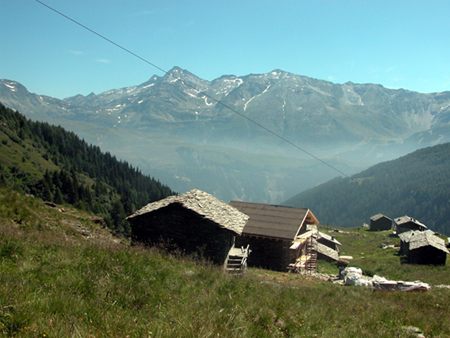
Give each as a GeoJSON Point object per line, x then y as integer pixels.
{"type": "Point", "coordinates": [423, 247]}
{"type": "Point", "coordinates": [193, 222]}
{"type": "Point", "coordinates": [327, 247]}
{"type": "Point", "coordinates": [274, 233]}
{"type": "Point", "coordinates": [406, 223]}
{"type": "Point", "coordinates": [329, 241]}
{"type": "Point", "coordinates": [380, 222]}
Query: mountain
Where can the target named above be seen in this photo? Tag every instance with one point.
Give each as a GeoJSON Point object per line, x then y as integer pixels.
{"type": "Point", "coordinates": [351, 126]}
{"type": "Point", "coordinates": [417, 185]}
{"type": "Point", "coordinates": [330, 119]}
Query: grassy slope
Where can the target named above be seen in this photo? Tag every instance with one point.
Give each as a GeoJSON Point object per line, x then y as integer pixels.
{"type": "Point", "coordinates": [57, 282]}
{"type": "Point", "coordinates": [24, 156]}
{"type": "Point", "coordinates": [366, 249]}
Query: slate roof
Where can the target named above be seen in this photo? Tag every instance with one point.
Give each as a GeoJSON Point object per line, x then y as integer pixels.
{"type": "Point", "coordinates": [324, 250]}
{"type": "Point", "coordinates": [329, 238]}
{"type": "Point", "coordinates": [421, 239]}
{"type": "Point", "coordinates": [205, 205]}
{"type": "Point", "coordinates": [418, 239]}
{"type": "Point", "coordinates": [378, 216]}
{"type": "Point", "coordinates": [406, 236]}
{"type": "Point", "coordinates": [406, 219]}
{"type": "Point", "coordinates": [274, 221]}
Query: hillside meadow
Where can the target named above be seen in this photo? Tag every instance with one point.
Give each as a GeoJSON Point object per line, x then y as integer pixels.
{"type": "Point", "coordinates": [374, 254]}
{"type": "Point", "coordinates": [64, 275]}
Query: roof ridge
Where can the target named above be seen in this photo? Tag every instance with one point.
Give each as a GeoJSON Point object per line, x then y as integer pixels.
{"type": "Point", "coordinates": [204, 204]}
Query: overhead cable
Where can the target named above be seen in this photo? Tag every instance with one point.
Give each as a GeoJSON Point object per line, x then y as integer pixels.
{"type": "Point", "coordinates": [209, 97]}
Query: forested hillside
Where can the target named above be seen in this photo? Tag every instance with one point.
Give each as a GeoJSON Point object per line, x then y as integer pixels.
{"type": "Point", "coordinates": [55, 165]}
{"type": "Point", "coordinates": [417, 184]}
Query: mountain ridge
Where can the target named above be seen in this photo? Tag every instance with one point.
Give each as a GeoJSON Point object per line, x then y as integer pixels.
{"type": "Point", "coordinates": [294, 105]}
{"type": "Point", "coordinates": [365, 123]}
{"type": "Point", "coordinates": [330, 108]}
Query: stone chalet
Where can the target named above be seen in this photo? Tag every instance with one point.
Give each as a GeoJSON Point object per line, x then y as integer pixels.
{"type": "Point", "coordinates": [423, 247]}
{"type": "Point", "coordinates": [194, 222]}
{"type": "Point", "coordinates": [380, 222]}
{"type": "Point", "coordinates": [406, 223]}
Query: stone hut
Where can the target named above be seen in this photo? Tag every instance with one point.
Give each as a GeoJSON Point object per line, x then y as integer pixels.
{"type": "Point", "coordinates": [406, 223]}
{"type": "Point", "coordinates": [272, 230]}
{"type": "Point", "coordinates": [423, 247]}
{"type": "Point", "coordinates": [380, 222]}
{"type": "Point", "coordinates": [193, 222]}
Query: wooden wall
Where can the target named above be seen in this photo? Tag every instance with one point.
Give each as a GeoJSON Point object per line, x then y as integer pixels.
{"type": "Point", "coordinates": [380, 224]}
{"type": "Point", "coordinates": [427, 255]}
{"type": "Point", "coordinates": [184, 230]}
{"type": "Point", "coordinates": [266, 253]}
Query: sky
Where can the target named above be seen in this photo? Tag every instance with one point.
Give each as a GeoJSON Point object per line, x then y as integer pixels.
{"type": "Point", "coordinates": [398, 44]}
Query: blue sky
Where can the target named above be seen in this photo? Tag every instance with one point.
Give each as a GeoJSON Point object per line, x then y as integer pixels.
{"type": "Point", "coordinates": [398, 44]}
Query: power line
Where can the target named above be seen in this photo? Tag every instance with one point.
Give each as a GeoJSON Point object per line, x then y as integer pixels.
{"type": "Point", "coordinates": [209, 97]}
{"type": "Point", "coordinates": [102, 36]}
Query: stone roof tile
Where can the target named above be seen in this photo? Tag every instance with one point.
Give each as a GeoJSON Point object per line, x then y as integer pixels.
{"type": "Point", "coordinates": [205, 205]}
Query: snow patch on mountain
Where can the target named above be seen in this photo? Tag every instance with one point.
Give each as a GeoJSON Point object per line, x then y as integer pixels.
{"type": "Point", "coordinates": [206, 101]}
{"type": "Point", "coordinates": [251, 99]}
{"type": "Point", "coordinates": [13, 88]}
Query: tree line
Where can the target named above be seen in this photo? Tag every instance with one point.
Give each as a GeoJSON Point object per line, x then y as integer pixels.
{"type": "Point", "coordinates": [78, 173]}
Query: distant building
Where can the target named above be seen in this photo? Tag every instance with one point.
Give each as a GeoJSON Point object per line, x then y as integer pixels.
{"type": "Point", "coordinates": [380, 222]}
{"type": "Point", "coordinates": [423, 247]}
{"type": "Point", "coordinates": [194, 222]}
{"type": "Point", "coordinates": [406, 223]}
{"type": "Point", "coordinates": [277, 235]}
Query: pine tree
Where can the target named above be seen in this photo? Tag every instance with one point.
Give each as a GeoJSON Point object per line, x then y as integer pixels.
{"type": "Point", "coordinates": [58, 198]}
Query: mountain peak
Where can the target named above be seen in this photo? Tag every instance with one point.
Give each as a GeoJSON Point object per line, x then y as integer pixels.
{"type": "Point", "coordinates": [176, 72]}
{"type": "Point", "coordinates": [13, 86]}
{"type": "Point", "coordinates": [277, 72]}
{"type": "Point", "coordinates": [176, 69]}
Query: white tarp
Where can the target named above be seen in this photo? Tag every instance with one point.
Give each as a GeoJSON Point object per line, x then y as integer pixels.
{"type": "Point", "coordinates": [354, 277]}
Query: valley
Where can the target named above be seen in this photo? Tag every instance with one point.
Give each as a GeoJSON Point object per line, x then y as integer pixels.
{"type": "Point", "coordinates": [193, 133]}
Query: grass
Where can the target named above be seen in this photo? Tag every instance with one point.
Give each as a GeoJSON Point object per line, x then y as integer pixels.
{"type": "Point", "coordinates": [56, 282]}
{"type": "Point", "coordinates": [23, 155]}
{"type": "Point", "coordinates": [366, 249]}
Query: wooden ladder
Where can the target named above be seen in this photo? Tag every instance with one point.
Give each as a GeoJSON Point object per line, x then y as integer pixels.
{"type": "Point", "coordinates": [234, 265]}
{"type": "Point", "coordinates": [311, 251]}
{"type": "Point", "coordinates": [237, 261]}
